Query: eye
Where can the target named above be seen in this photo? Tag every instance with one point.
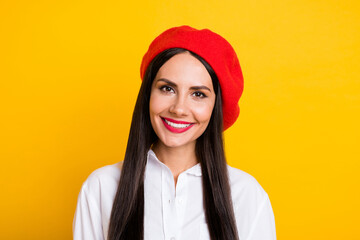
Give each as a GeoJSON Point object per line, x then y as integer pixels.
{"type": "Point", "coordinates": [166, 88]}
{"type": "Point", "coordinates": [199, 95]}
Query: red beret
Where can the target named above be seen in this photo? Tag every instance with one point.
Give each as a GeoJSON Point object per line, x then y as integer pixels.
{"type": "Point", "coordinates": [216, 51]}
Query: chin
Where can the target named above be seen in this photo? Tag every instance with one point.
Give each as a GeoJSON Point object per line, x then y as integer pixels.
{"type": "Point", "coordinates": [175, 143]}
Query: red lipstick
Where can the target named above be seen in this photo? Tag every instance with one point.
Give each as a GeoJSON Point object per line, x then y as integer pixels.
{"type": "Point", "coordinates": [176, 126]}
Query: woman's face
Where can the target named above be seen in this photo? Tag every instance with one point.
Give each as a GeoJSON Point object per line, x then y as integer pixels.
{"type": "Point", "coordinates": [181, 102]}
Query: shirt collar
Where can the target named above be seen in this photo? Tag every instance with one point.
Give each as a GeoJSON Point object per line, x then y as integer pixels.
{"type": "Point", "coordinates": [195, 170]}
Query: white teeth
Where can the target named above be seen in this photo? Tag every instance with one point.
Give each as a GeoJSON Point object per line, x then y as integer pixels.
{"type": "Point", "coordinates": [177, 125]}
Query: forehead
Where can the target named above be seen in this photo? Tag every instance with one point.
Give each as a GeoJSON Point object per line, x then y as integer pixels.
{"type": "Point", "coordinates": [184, 69]}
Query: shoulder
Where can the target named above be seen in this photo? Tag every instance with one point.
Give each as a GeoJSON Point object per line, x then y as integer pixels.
{"type": "Point", "coordinates": [245, 189]}
{"type": "Point", "coordinates": [104, 178]}
{"type": "Point", "coordinates": [95, 200]}
{"type": "Point", "coordinates": [108, 172]}
{"type": "Point", "coordinates": [252, 207]}
{"type": "Point", "coordinates": [240, 180]}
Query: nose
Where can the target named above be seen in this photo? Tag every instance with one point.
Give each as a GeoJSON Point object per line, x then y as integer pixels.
{"type": "Point", "coordinates": [179, 106]}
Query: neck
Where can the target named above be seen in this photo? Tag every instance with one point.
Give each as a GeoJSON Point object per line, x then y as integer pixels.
{"type": "Point", "coordinates": [177, 159]}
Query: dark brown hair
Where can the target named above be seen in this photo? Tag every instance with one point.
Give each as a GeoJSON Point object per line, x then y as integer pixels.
{"type": "Point", "coordinates": [127, 216]}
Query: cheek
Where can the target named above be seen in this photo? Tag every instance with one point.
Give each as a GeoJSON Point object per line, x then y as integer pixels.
{"type": "Point", "coordinates": [156, 104]}
{"type": "Point", "coordinates": [204, 112]}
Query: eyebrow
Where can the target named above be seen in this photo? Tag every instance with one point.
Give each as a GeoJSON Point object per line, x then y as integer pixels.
{"type": "Point", "coordinates": [192, 88]}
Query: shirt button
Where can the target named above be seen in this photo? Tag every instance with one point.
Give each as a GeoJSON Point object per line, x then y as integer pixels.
{"type": "Point", "coordinates": [173, 238]}
{"type": "Point", "coordinates": [180, 201]}
{"type": "Point", "coordinates": [169, 200]}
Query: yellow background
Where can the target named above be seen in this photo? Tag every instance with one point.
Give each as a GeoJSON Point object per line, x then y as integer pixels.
{"type": "Point", "coordinates": [69, 76]}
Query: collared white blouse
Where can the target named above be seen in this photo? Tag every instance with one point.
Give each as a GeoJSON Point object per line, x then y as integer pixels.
{"type": "Point", "coordinates": [172, 213]}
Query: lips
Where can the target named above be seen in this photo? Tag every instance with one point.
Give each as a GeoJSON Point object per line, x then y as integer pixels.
{"type": "Point", "coordinates": [176, 126]}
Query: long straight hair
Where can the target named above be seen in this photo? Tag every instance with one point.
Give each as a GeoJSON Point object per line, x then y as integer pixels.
{"type": "Point", "coordinates": [127, 215]}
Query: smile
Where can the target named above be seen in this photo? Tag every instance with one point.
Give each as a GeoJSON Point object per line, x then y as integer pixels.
{"type": "Point", "coordinates": [176, 126]}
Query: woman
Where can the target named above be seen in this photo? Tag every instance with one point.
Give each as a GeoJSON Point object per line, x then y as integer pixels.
{"type": "Point", "coordinates": [174, 182]}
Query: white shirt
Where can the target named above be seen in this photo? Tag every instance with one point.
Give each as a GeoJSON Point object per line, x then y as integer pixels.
{"type": "Point", "coordinates": [172, 213]}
